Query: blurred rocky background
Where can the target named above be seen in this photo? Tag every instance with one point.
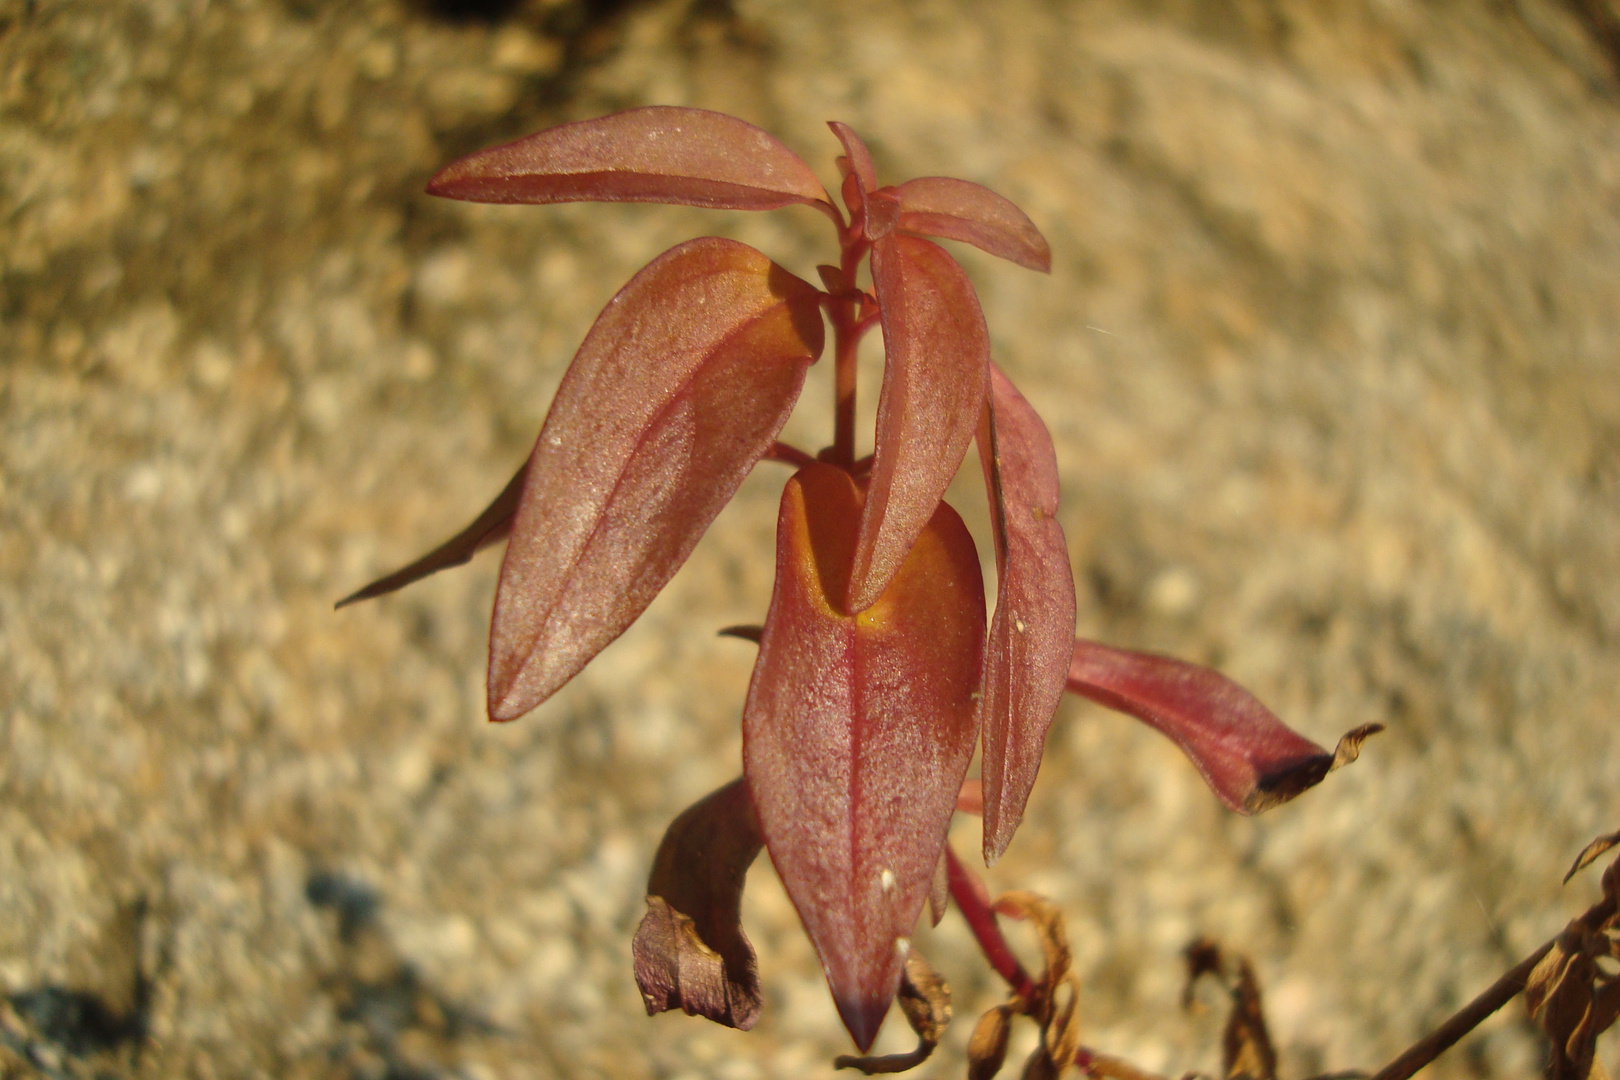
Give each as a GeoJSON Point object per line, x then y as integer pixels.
{"type": "Point", "coordinates": [1331, 351]}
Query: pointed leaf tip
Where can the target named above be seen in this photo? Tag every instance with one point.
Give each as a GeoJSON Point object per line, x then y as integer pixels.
{"type": "Point", "coordinates": [489, 527]}
{"type": "Point", "coordinates": [1031, 641]}
{"type": "Point", "coordinates": [858, 731]}
{"type": "Point", "coordinates": [962, 210]}
{"type": "Point", "coordinates": [1249, 758]}
{"type": "Point", "coordinates": [658, 154]}
{"type": "Point", "coordinates": [858, 157]}
{"type": "Point", "coordinates": [936, 374]}
{"type": "Point", "coordinates": [678, 390]}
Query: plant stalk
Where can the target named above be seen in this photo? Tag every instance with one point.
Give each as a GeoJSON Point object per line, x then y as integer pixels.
{"type": "Point", "coordinates": [1466, 1019]}
{"type": "Point", "coordinates": [970, 901]}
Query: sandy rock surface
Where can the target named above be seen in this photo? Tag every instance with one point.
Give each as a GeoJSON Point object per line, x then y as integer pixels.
{"type": "Point", "coordinates": [1331, 351]}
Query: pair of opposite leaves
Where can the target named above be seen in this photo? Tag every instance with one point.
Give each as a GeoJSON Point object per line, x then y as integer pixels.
{"type": "Point", "coordinates": [875, 676]}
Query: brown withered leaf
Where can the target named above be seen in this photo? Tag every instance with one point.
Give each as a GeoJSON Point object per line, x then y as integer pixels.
{"type": "Point", "coordinates": [1060, 1034]}
{"type": "Point", "coordinates": [987, 1049]}
{"type": "Point", "coordinates": [1571, 999]}
{"type": "Point", "coordinates": [926, 1002]}
{"type": "Point", "coordinates": [1246, 1047]}
{"type": "Point", "coordinates": [1047, 922]}
{"type": "Point", "coordinates": [1108, 1067]}
{"type": "Point", "coordinates": [1589, 854]}
{"type": "Point", "coordinates": [690, 951]}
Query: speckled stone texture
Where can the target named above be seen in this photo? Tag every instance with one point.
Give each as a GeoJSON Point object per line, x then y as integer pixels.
{"type": "Point", "coordinates": [1331, 351]}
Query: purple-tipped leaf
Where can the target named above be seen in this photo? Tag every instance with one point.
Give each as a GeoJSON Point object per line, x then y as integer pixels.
{"type": "Point", "coordinates": [1032, 635]}
{"type": "Point", "coordinates": [1249, 758]}
{"type": "Point", "coordinates": [678, 390]}
{"type": "Point", "coordinates": [934, 382]}
{"type": "Point", "coordinates": [857, 733]}
{"type": "Point", "coordinates": [657, 154]}
{"type": "Point", "coordinates": [972, 213]}
{"type": "Point", "coordinates": [489, 527]}
{"type": "Point", "coordinates": [690, 950]}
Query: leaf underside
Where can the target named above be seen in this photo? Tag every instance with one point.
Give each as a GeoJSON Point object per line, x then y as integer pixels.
{"type": "Point", "coordinates": [937, 359]}
{"type": "Point", "coordinates": [857, 732]}
{"type": "Point", "coordinates": [657, 154]}
{"type": "Point", "coordinates": [1031, 638]}
{"type": "Point", "coordinates": [678, 390]}
{"type": "Point", "coordinates": [1249, 758]}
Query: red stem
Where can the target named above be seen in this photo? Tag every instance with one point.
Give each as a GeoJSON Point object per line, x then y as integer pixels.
{"type": "Point", "coordinates": [848, 328]}
{"type": "Point", "coordinates": [973, 902]}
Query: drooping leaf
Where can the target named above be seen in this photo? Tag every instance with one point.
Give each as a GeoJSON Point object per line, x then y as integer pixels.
{"type": "Point", "coordinates": [858, 730]}
{"type": "Point", "coordinates": [1249, 758]}
{"type": "Point", "coordinates": [658, 154]}
{"type": "Point", "coordinates": [489, 527]}
{"type": "Point", "coordinates": [972, 213]}
{"type": "Point", "coordinates": [1032, 635]}
{"type": "Point", "coordinates": [679, 388]}
{"type": "Point", "coordinates": [690, 951]}
{"type": "Point", "coordinates": [935, 376]}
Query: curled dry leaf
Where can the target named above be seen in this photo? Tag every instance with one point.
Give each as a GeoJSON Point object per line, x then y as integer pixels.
{"type": "Point", "coordinates": [857, 732]}
{"type": "Point", "coordinates": [936, 367]}
{"type": "Point", "coordinates": [657, 154]}
{"type": "Point", "coordinates": [1574, 1002]}
{"type": "Point", "coordinates": [1031, 642]}
{"type": "Point", "coordinates": [489, 527]}
{"type": "Point", "coordinates": [1060, 1034]}
{"type": "Point", "coordinates": [1246, 1047]}
{"type": "Point", "coordinates": [1590, 853]}
{"type": "Point", "coordinates": [1249, 758]}
{"type": "Point", "coordinates": [1047, 921]}
{"type": "Point", "coordinates": [987, 1049]}
{"type": "Point", "coordinates": [926, 1002]}
{"type": "Point", "coordinates": [690, 951]}
{"type": "Point", "coordinates": [1573, 993]}
{"type": "Point", "coordinates": [962, 210]}
{"type": "Point", "coordinates": [678, 390]}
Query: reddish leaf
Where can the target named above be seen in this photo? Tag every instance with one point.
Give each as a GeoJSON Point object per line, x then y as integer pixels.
{"type": "Point", "coordinates": [876, 210]}
{"type": "Point", "coordinates": [859, 157]}
{"type": "Point", "coordinates": [678, 390]}
{"type": "Point", "coordinates": [489, 527]}
{"type": "Point", "coordinates": [1248, 757]}
{"type": "Point", "coordinates": [1032, 635]}
{"type": "Point", "coordinates": [690, 951]}
{"type": "Point", "coordinates": [657, 154]}
{"type": "Point", "coordinates": [972, 213]}
{"type": "Point", "coordinates": [857, 733]}
{"type": "Point", "coordinates": [934, 382]}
